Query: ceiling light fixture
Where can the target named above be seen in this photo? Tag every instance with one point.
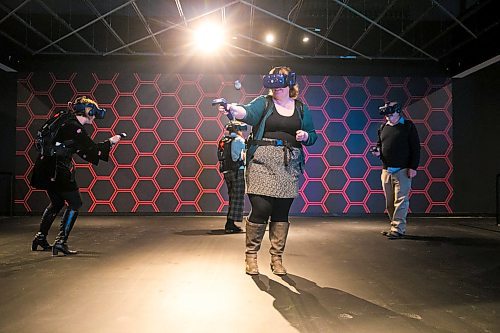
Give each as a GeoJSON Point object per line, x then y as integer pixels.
{"type": "Point", "coordinates": [270, 38]}
{"type": "Point", "coordinates": [209, 37]}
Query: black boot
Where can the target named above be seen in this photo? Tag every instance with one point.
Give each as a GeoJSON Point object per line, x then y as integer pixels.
{"type": "Point", "coordinates": [40, 239]}
{"type": "Point", "coordinates": [67, 223]}
{"type": "Point", "coordinates": [231, 228]}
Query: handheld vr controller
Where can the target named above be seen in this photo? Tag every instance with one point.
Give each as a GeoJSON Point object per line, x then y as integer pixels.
{"type": "Point", "coordinates": [123, 135]}
{"type": "Point", "coordinates": [223, 102]}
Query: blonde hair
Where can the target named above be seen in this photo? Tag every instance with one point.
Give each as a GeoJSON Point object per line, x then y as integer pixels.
{"type": "Point", "coordinates": [85, 100]}
{"type": "Point", "coordinates": [294, 90]}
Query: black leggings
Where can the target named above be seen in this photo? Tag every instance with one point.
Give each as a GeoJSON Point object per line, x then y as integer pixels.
{"type": "Point", "coordinates": [57, 200]}
{"type": "Point", "coordinates": [264, 207]}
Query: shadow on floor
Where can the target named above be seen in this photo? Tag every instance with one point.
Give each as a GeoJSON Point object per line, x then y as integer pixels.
{"type": "Point", "coordinates": [463, 241]}
{"type": "Point", "coordinates": [311, 308]}
{"type": "Point", "coordinates": [204, 232]}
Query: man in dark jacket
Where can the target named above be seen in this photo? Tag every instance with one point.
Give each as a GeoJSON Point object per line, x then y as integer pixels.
{"type": "Point", "coordinates": [54, 170]}
{"type": "Point", "coordinates": [398, 147]}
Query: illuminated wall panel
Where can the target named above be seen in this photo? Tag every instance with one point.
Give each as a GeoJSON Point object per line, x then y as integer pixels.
{"type": "Point", "coordinates": [168, 162]}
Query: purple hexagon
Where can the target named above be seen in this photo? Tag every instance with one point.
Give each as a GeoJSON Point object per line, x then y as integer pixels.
{"type": "Point", "coordinates": [336, 155]}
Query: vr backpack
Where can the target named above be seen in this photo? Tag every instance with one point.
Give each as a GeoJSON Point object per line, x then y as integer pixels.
{"type": "Point", "coordinates": [226, 163]}
{"type": "Point", "coordinates": [45, 142]}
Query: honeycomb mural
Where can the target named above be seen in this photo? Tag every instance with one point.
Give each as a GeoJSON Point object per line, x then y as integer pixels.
{"type": "Point", "coordinates": [168, 161]}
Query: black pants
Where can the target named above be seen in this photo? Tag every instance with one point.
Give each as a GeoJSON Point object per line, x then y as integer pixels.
{"type": "Point", "coordinates": [57, 200]}
{"type": "Point", "coordinates": [264, 207]}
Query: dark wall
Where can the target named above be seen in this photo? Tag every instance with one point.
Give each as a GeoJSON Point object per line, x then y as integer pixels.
{"type": "Point", "coordinates": [343, 94]}
{"type": "Point", "coordinates": [476, 128]}
{"type": "Point", "coordinates": [475, 109]}
{"type": "Point", "coordinates": [8, 99]}
{"type": "Point", "coordinates": [168, 163]}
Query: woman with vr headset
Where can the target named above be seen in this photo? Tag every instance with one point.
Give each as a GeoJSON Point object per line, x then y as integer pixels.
{"type": "Point", "coordinates": [282, 125]}
{"type": "Point", "coordinates": [54, 170]}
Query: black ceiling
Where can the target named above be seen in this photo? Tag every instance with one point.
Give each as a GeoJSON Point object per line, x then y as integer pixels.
{"type": "Point", "coordinates": [456, 34]}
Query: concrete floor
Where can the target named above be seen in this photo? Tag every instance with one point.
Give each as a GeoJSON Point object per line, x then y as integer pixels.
{"type": "Point", "coordinates": [182, 274]}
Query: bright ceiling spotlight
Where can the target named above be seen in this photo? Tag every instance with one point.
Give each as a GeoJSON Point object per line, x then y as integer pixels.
{"type": "Point", "coordinates": [270, 38]}
{"type": "Point", "coordinates": [305, 39]}
{"type": "Point", "coordinates": [209, 37]}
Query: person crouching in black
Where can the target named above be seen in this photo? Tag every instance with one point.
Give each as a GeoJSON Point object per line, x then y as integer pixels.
{"type": "Point", "coordinates": [62, 136]}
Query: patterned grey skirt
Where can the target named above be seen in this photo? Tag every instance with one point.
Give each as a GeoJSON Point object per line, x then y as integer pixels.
{"type": "Point", "coordinates": [267, 174]}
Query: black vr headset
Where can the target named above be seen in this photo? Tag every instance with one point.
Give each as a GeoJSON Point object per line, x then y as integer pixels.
{"type": "Point", "coordinates": [277, 80]}
{"type": "Point", "coordinates": [99, 113]}
{"type": "Point", "coordinates": [387, 109]}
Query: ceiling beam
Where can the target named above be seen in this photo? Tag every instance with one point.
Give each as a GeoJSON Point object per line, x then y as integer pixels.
{"type": "Point", "coordinates": [467, 40]}
{"type": "Point", "coordinates": [106, 24]}
{"type": "Point", "coordinates": [270, 46]}
{"type": "Point", "coordinates": [451, 26]}
{"type": "Point", "coordinates": [183, 28]}
{"type": "Point", "coordinates": [63, 22]}
{"type": "Point", "coordinates": [146, 25]}
{"type": "Point", "coordinates": [304, 29]}
{"type": "Point", "coordinates": [252, 18]}
{"type": "Point", "coordinates": [84, 26]}
{"type": "Point", "coordinates": [29, 26]}
{"type": "Point", "coordinates": [175, 26]}
{"type": "Point", "coordinates": [181, 12]}
{"type": "Point", "coordinates": [330, 28]}
{"type": "Point", "coordinates": [476, 68]}
{"type": "Point", "coordinates": [367, 30]}
{"type": "Point", "coordinates": [385, 29]}
{"type": "Point", "coordinates": [406, 30]}
{"type": "Point", "coordinates": [296, 11]}
{"type": "Point", "coordinates": [453, 17]}
{"type": "Point", "coordinates": [15, 41]}
{"type": "Point", "coordinates": [14, 10]}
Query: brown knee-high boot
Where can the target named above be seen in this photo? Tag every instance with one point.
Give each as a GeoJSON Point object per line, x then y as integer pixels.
{"type": "Point", "coordinates": [254, 235]}
{"type": "Point", "coordinates": [278, 232]}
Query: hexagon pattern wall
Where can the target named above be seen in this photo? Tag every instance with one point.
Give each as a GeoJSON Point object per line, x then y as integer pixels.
{"type": "Point", "coordinates": [168, 162]}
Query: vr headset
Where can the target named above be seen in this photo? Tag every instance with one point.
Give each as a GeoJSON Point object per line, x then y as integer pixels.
{"type": "Point", "coordinates": [99, 113]}
{"type": "Point", "coordinates": [233, 127]}
{"type": "Point", "coordinates": [273, 81]}
{"type": "Point", "coordinates": [387, 109]}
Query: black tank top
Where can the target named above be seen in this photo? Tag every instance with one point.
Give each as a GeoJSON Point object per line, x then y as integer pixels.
{"type": "Point", "coordinates": [283, 128]}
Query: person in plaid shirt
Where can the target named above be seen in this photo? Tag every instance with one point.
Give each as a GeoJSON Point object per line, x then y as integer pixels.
{"type": "Point", "coordinates": [235, 179]}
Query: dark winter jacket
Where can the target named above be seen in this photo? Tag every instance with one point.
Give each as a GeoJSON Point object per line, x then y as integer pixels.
{"type": "Point", "coordinates": [57, 172]}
